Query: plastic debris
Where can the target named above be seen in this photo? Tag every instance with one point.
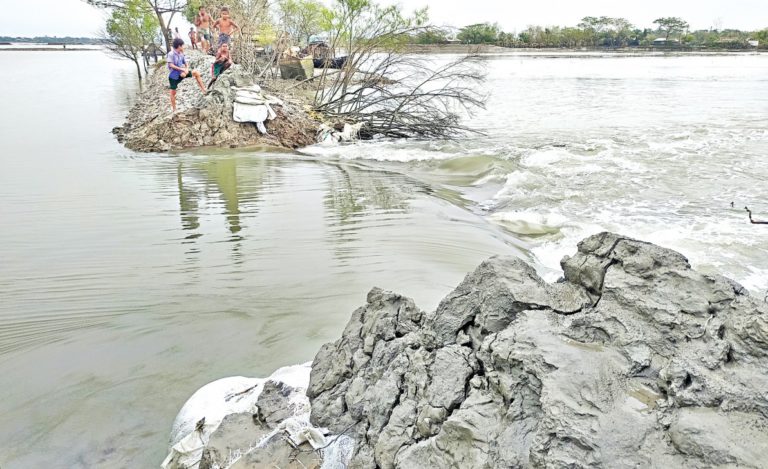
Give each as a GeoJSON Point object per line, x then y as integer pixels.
{"type": "Point", "coordinates": [327, 134]}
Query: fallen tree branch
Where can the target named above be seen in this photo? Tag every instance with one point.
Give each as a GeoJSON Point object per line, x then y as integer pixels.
{"type": "Point", "coordinates": [308, 80]}
{"type": "Point", "coordinates": [754, 222]}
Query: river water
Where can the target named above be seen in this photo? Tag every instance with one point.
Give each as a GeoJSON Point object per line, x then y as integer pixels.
{"type": "Point", "coordinates": [127, 281]}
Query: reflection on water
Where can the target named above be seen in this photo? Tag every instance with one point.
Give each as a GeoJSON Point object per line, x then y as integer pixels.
{"type": "Point", "coordinates": [208, 179]}
{"type": "Point", "coordinates": [351, 195]}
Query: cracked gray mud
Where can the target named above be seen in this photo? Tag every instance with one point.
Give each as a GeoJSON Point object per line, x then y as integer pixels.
{"type": "Point", "coordinates": [633, 359]}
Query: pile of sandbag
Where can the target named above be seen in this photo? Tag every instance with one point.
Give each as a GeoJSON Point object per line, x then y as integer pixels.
{"type": "Point", "coordinates": [253, 106]}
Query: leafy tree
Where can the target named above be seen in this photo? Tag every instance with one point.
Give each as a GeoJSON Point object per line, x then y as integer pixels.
{"type": "Point", "coordinates": [159, 7]}
{"type": "Point", "coordinates": [762, 37]}
{"type": "Point", "coordinates": [621, 31]}
{"type": "Point", "coordinates": [381, 86]}
{"type": "Point", "coordinates": [192, 8]}
{"type": "Point", "coordinates": [483, 33]}
{"type": "Point", "coordinates": [572, 37]}
{"type": "Point", "coordinates": [301, 18]}
{"type": "Point", "coordinates": [506, 39]}
{"type": "Point", "coordinates": [432, 36]}
{"type": "Point", "coordinates": [130, 31]}
{"type": "Point", "coordinates": [594, 27]}
{"type": "Point", "coordinates": [671, 25]}
{"type": "Point", "coordinates": [606, 31]}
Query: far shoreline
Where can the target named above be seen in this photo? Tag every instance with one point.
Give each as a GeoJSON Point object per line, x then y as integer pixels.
{"type": "Point", "coordinates": [49, 49]}
{"type": "Point", "coordinates": [485, 49]}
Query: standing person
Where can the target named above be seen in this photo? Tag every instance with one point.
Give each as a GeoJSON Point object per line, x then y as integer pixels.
{"type": "Point", "coordinates": [193, 37]}
{"type": "Point", "coordinates": [225, 26]}
{"type": "Point", "coordinates": [203, 22]}
{"type": "Point", "coordinates": [179, 70]}
{"type": "Point", "coordinates": [176, 33]}
{"type": "Point", "coordinates": [221, 64]}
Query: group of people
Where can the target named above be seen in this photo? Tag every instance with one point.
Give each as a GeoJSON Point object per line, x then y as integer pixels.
{"type": "Point", "coordinates": [177, 63]}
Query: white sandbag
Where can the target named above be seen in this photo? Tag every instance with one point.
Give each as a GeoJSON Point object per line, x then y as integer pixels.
{"type": "Point", "coordinates": [252, 88]}
{"type": "Point", "coordinates": [249, 94]}
{"type": "Point", "coordinates": [209, 405]}
{"type": "Point", "coordinates": [249, 113]}
{"type": "Point", "coordinates": [272, 113]}
{"type": "Point", "coordinates": [250, 101]}
{"type": "Point", "coordinates": [202, 414]}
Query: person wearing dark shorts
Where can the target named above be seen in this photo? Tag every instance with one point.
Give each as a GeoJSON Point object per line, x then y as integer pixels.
{"type": "Point", "coordinates": [224, 39]}
{"type": "Point", "coordinates": [225, 26]}
{"type": "Point", "coordinates": [221, 64]}
{"type": "Point", "coordinates": [179, 70]}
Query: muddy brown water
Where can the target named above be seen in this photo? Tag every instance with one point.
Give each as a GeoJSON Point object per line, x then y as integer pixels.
{"type": "Point", "coordinates": [127, 281]}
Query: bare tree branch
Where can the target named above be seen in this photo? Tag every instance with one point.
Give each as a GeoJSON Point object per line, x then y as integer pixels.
{"type": "Point", "coordinates": [754, 222]}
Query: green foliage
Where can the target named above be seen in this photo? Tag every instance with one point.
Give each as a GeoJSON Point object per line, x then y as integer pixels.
{"type": "Point", "coordinates": [164, 11]}
{"type": "Point", "coordinates": [432, 36]}
{"type": "Point", "coordinates": [762, 37]}
{"type": "Point", "coordinates": [302, 18]}
{"type": "Point", "coordinates": [362, 23]}
{"type": "Point", "coordinates": [133, 27]}
{"type": "Point", "coordinates": [363, 30]}
{"type": "Point", "coordinates": [483, 33]}
{"type": "Point", "coordinates": [191, 9]}
{"type": "Point", "coordinates": [671, 25]}
{"type": "Point", "coordinates": [131, 30]}
{"type": "Point", "coordinates": [604, 31]}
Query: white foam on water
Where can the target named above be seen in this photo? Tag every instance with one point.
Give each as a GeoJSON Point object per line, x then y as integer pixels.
{"type": "Point", "coordinates": [548, 157]}
{"type": "Point", "coordinates": [385, 151]}
{"type": "Point", "coordinates": [756, 281]}
{"type": "Point", "coordinates": [529, 223]}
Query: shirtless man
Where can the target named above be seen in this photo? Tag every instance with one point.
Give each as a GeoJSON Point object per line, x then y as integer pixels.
{"type": "Point", "coordinates": [203, 23]}
{"type": "Point", "coordinates": [226, 26]}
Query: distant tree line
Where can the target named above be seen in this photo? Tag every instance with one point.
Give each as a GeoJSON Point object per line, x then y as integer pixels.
{"type": "Point", "coordinates": [51, 40]}
{"type": "Point", "coordinates": [599, 32]}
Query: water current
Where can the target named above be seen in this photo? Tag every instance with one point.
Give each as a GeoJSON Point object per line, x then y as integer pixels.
{"type": "Point", "coordinates": [127, 281]}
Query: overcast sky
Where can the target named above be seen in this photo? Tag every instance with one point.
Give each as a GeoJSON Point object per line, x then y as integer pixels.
{"type": "Point", "coordinates": [76, 18]}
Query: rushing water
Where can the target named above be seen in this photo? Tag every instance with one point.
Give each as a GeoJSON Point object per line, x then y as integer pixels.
{"type": "Point", "coordinates": [655, 147]}
{"type": "Point", "coordinates": [128, 281]}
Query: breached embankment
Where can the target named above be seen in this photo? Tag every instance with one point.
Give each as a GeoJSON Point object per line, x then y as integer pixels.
{"type": "Point", "coordinates": [207, 120]}
{"type": "Point", "coordinates": [633, 359]}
